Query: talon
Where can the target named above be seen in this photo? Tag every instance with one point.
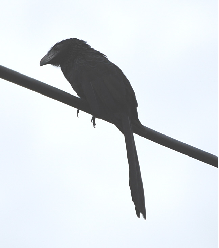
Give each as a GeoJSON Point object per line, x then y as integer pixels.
{"type": "Point", "coordinates": [93, 121]}
{"type": "Point", "coordinates": [77, 112]}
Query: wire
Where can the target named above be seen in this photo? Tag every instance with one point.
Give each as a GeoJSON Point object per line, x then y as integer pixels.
{"type": "Point", "coordinates": [80, 104]}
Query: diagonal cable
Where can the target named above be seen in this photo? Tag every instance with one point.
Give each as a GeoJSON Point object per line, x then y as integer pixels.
{"type": "Point", "coordinates": [78, 103]}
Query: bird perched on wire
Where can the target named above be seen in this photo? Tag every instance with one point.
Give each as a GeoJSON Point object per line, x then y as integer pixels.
{"type": "Point", "coordinates": [109, 94]}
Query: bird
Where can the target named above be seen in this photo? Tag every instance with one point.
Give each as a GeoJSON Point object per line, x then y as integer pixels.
{"type": "Point", "coordinates": [109, 95]}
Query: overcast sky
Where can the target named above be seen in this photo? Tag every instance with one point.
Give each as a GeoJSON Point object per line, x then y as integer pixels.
{"type": "Point", "coordinates": [64, 184]}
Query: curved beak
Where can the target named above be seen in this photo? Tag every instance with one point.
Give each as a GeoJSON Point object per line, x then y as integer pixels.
{"type": "Point", "coordinates": [47, 58]}
{"type": "Point", "coordinates": [44, 60]}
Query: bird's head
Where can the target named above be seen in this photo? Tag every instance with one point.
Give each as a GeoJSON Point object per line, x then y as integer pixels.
{"type": "Point", "coordinates": [63, 50]}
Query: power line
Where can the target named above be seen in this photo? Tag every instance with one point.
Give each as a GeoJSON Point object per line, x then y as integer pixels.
{"type": "Point", "coordinates": [78, 103]}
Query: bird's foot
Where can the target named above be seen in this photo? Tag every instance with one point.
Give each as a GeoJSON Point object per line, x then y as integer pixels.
{"type": "Point", "coordinates": [77, 112]}
{"type": "Point", "coordinates": [93, 121]}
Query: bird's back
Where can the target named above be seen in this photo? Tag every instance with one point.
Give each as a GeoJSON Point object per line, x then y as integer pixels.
{"type": "Point", "coordinates": [94, 77]}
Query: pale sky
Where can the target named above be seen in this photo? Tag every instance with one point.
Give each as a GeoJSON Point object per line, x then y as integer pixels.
{"type": "Point", "coordinates": [64, 184]}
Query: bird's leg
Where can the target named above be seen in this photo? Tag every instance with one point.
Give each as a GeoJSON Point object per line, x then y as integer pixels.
{"type": "Point", "coordinates": [77, 112]}
{"type": "Point", "coordinates": [93, 121]}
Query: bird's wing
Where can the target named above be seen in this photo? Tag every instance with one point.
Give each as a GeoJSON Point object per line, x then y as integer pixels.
{"type": "Point", "coordinates": [102, 84]}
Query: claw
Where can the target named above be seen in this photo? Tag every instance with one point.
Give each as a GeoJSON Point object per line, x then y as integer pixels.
{"type": "Point", "coordinates": [77, 112]}
{"type": "Point", "coordinates": [93, 121]}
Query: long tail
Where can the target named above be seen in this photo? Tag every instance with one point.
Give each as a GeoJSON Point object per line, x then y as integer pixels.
{"type": "Point", "coordinates": [135, 181]}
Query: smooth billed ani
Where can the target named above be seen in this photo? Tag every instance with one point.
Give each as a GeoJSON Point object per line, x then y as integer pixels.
{"type": "Point", "coordinates": [109, 94]}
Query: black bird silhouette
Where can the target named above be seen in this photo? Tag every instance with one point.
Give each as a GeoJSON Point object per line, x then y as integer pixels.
{"type": "Point", "coordinates": [109, 94]}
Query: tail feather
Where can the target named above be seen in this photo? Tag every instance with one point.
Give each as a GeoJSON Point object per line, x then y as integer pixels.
{"type": "Point", "coordinates": [135, 181]}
